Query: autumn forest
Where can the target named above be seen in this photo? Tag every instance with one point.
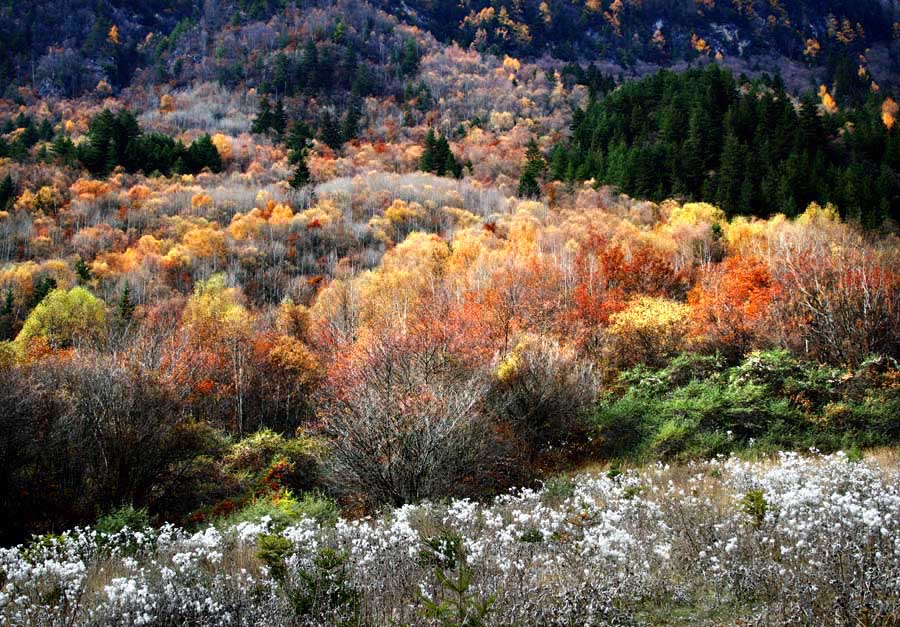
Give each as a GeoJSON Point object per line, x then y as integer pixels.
{"type": "Point", "coordinates": [267, 264]}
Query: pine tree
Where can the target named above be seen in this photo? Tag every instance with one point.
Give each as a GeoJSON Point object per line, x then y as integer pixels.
{"type": "Point", "coordinates": [281, 74]}
{"type": "Point", "coordinates": [409, 58]}
{"type": "Point", "coordinates": [330, 131]}
{"type": "Point", "coordinates": [437, 157]}
{"type": "Point", "coordinates": [617, 165]}
{"type": "Point", "coordinates": [83, 271]}
{"type": "Point", "coordinates": [309, 68]}
{"type": "Point", "coordinates": [6, 316]}
{"type": "Point", "coordinates": [730, 175]}
{"type": "Point", "coordinates": [125, 130]}
{"type": "Point", "coordinates": [203, 154]}
{"type": "Point", "coordinates": [93, 153]}
{"type": "Point", "coordinates": [692, 163]}
{"type": "Point", "coordinates": [29, 136]}
{"type": "Point", "coordinates": [443, 157]}
{"type": "Point", "coordinates": [350, 127]}
{"type": "Point", "coordinates": [43, 287]}
{"type": "Point", "coordinates": [339, 32]}
{"type": "Point", "coordinates": [126, 306]}
{"type": "Point", "coordinates": [45, 130]}
{"type": "Point", "coordinates": [297, 142]}
{"type": "Point", "coordinates": [301, 176]}
{"type": "Point", "coordinates": [263, 120]}
{"type": "Point", "coordinates": [7, 192]}
{"type": "Point", "coordinates": [534, 159]}
{"type": "Point", "coordinates": [363, 83]}
{"type": "Point", "coordinates": [279, 119]}
{"type": "Point", "coordinates": [534, 169]}
{"type": "Point", "coordinates": [298, 137]}
{"type": "Point", "coordinates": [427, 162]}
{"type": "Point", "coordinates": [529, 187]}
{"type": "Point", "coordinates": [811, 131]}
{"type": "Point", "coordinates": [65, 151]}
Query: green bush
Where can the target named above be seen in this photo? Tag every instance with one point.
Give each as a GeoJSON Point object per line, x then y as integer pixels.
{"type": "Point", "coordinates": [557, 489]}
{"type": "Point", "coordinates": [672, 438]}
{"type": "Point", "coordinates": [624, 423]}
{"type": "Point", "coordinates": [284, 509]}
{"type": "Point", "coordinates": [266, 459]}
{"type": "Point", "coordinates": [754, 504]}
{"type": "Point", "coordinates": [770, 401]}
{"type": "Point", "coordinates": [322, 590]}
{"type": "Point", "coordinates": [273, 549]}
{"type": "Point", "coordinates": [122, 517]}
{"type": "Point", "coordinates": [459, 605]}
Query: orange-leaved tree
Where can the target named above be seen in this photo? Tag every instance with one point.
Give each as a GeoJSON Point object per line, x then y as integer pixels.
{"type": "Point", "coordinates": [730, 306]}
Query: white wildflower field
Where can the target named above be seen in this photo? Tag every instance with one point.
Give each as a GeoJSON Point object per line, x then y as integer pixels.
{"type": "Point", "coordinates": [799, 540]}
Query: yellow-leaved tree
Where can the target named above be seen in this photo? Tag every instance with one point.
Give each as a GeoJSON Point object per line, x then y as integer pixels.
{"type": "Point", "coordinates": [650, 330]}
{"type": "Point", "coordinates": [65, 318]}
{"type": "Point", "coordinates": [218, 322]}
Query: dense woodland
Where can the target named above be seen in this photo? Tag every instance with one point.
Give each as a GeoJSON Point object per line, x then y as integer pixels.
{"type": "Point", "coordinates": [449, 314]}
{"type": "Point", "coordinates": [66, 49]}
{"type": "Point", "coordinates": [747, 148]}
{"type": "Point", "coordinates": [260, 258]}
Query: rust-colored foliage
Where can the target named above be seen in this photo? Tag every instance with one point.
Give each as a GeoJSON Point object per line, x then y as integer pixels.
{"type": "Point", "coordinates": [607, 275]}
{"type": "Point", "coordinates": [730, 305]}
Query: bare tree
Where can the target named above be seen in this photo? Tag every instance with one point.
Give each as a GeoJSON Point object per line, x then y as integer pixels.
{"type": "Point", "coordinates": [544, 391]}
{"type": "Point", "coordinates": [841, 299]}
{"type": "Point", "coordinates": [407, 422]}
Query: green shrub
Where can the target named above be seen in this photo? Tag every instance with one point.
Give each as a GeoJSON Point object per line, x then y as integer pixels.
{"type": "Point", "coordinates": [122, 517]}
{"type": "Point", "coordinates": [689, 367]}
{"type": "Point", "coordinates": [459, 606]}
{"type": "Point", "coordinates": [284, 509]}
{"type": "Point", "coordinates": [557, 489]}
{"type": "Point", "coordinates": [325, 589]}
{"type": "Point", "coordinates": [772, 369]}
{"type": "Point", "coordinates": [708, 444]}
{"type": "Point", "coordinates": [671, 438]}
{"type": "Point", "coordinates": [320, 592]}
{"type": "Point", "coordinates": [268, 458]}
{"type": "Point", "coordinates": [273, 549]}
{"type": "Point", "coordinates": [624, 423]}
{"type": "Point", "coordinates": [854, 455]}
{"type": "Point", "coordinates": [754, 504]}
{"type": "Point", "coordinates": [532, 536]}
{"type": "Point", "coordinates": [323, 509]}
{"type": "Point", "coordinates": [771, 401]}
{"type": "Point", "coordinates": [442, 550]}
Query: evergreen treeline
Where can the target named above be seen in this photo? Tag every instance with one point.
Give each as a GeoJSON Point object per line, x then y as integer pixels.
{"type": "Point", "coordinates": [747, 148]}
{"type": "Point", "coordinates": [114, 139]}
{"type": "Point", "coordinates": [31, 134]}
{"type": "Point", "coordinates": [66, 49]}
{"type": "Point", "coordinates": [437, 157]}
{"type": "Point", "coordinates": [117, 140]}
{"type": "Point", "coordinates": [319, 69]}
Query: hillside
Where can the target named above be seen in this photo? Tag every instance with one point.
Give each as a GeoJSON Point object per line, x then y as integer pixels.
{"type": "Point", "coordinates": [749, 149]}
{"type": "Point", "coordinates": [67, 50]}
{"type": "Point", "coordinates": [294, 291]}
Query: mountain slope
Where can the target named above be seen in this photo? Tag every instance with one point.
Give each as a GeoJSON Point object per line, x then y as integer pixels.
{"type": "Point", "coordinates": [68, 48]}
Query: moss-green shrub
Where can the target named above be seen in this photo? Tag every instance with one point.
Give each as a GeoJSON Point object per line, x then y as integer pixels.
{"type": "Point", "coordinates": [122, 517]}
{"type": "Point", "coordinates": [283, 509]}
{"type": "Point", "coordinates": [768, 402]}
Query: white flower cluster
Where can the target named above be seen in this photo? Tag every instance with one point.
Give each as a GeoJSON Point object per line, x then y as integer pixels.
{"type": "Point", "coordinates": [801, 540]}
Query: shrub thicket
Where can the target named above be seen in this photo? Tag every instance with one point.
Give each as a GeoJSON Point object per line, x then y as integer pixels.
{"type": "Point", "coordinates": [771, 400]}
